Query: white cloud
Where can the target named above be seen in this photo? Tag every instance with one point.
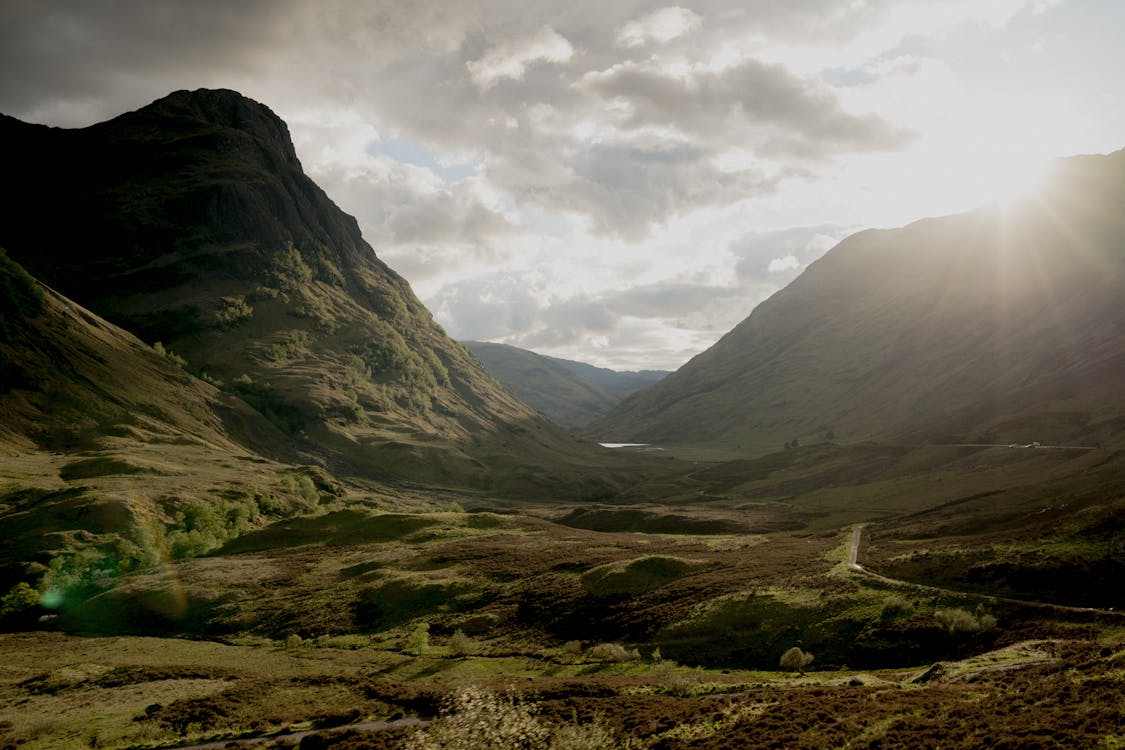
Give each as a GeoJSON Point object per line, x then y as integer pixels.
{"type": "Point", "coordinates": [511, 59]}
{"type": "Point", "coordinates": [662, 25]}
{"type": "Point", "coordinates": [780, 265]}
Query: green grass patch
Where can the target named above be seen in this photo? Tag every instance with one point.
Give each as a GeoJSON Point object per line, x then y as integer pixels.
{"type": "Point", "coordinates": [339, 528]}
{"type": "Point", "coordinates": [92, 468]}
{"type": "Point", "coordinates": [638, 576]}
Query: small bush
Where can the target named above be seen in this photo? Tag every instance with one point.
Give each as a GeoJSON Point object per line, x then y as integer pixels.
{"type": "Point", "coordinates": [169, 355]}
{"type": "Point", "coordinates": [233, 310]}
{"type": "Point", "coordinates": [796, 659]}
{"type": "Point", "coordinates": [474, 719]}
{"type": "Point", "coordinates": [896, 606]}
{"type": "Point", "coordinates": [418, 640]}
{"type": "Point", "coordinates": [462, 645]}
{"type": "Point", "coordinates": [613, 652]}
{"type": "Point", "coordinates": [19, 601]}
{"type": "Point", "coordinates": [963, 621]}
{"type": "Point", "coordinates": [302, 486]}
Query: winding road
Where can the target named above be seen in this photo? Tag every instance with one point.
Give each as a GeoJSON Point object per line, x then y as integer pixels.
{"type": "Point", "coordinates": [854, 566]}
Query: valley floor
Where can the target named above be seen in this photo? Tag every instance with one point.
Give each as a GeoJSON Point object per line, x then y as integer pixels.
{"type": "Point", "coordinates": [59, 691]}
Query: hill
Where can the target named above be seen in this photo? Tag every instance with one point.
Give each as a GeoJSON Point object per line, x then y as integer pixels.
{"type": "Point", "coordinates": [618, 383]}
{"type": "Point", "coordinates": [190, 222]}
{"type": "Point", "coordinates": [112, 457]}
{"type": "Point", "coordinates": [999, 325]}
{"type": "Point", "coordinates": [571, 394]}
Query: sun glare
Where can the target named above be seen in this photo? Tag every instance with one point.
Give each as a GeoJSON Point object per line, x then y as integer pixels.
{"type": "Point", "coordinates": [1014, 180]}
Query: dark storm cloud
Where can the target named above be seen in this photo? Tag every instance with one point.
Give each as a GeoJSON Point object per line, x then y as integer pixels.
{"type": "Point", "coordinates": [86, 59]}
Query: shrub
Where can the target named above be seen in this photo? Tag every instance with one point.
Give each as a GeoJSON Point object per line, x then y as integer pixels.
{"type": "Point", "coordinates": [19, 600]}
{"type": "Point", "coordinates": [474, 719]}
{"type": "Point", "coordinates": [303, 486]}
{"type": "Point", "coordinates": [796, 659]}
{"type": "Point", "coordinates": [233, 311]}
{"type": "Point", "coordinates": [290, 271]}
{"type": "Point", "coordinates": [169, 355]}
{"type": "Point", "coordinates": [461, 644]}
{"type": "Point", "coordinates": [418, 640]}
{"type": "Point", "coordinates": [200, 527]}
{"type": "Point", "coordinates": [593, 736]}
{"type": "Point", "coordinates": [613, 652]}
{"type": "Point", "coordinates": [896, 606]}
{"type": "Point", "coordinates": [963, 621]}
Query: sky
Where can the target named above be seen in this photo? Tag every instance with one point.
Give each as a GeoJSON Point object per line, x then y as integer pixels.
{"type": "Point", "coordinates": [618, 182]}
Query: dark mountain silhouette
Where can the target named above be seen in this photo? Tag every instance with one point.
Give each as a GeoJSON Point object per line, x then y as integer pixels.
{"type": "Point", "coordinates": [571, 394]}
{"type": "Point", "coordinates": [190, 222]}
{"type": "Point", "coordinates": [1002, 324]}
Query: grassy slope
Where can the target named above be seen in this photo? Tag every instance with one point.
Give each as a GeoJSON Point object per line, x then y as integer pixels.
{"type": "Point", "coordinates": [992, 326]}
{"type": "Point", "coordinates": [104, 441]}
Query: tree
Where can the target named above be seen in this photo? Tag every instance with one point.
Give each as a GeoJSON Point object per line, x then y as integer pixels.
{"type": "Point", "coordinates": [796, 659]}
{"type": "Point", "coordinates": [20, 603]}
{"type": "Point", "coordinates": [418, 640]}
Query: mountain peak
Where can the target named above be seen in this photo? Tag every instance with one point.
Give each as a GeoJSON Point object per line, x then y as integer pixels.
{"type": "Point", "coordinates": [186, 111]}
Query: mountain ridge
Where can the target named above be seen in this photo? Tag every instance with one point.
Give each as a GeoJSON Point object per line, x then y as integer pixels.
{"type": "Point", "coordinates": [571, 394]}
{"type": "Point", "coordinates": [994, 324]}
{"type": "Point", "coordinates": [190, 222]}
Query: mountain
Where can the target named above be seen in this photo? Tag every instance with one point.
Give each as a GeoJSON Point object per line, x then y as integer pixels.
{"type": "Point", "coordinates": [190, 223]}
{"type": "Point", "coordinates": [998, 325]}
{"type": "Point", "coordinates": [110, 451]}
{"type": "Point", "coordinates": [569, 393]}
{"type": "Point", "coordinates": [618, 383]}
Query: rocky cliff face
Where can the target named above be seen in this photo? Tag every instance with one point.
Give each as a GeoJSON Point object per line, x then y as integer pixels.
{"type": "Point", "coordinates": [191, 222]}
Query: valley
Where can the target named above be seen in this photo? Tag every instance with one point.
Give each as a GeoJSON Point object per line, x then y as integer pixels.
{"type": "Point", "coordinates": [250, 491]}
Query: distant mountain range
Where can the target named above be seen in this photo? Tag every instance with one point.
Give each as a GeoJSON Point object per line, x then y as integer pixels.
{"type": "Point", "coordinates": [571, 394]}
{"type": "Point", "coordinates": [999, 325]}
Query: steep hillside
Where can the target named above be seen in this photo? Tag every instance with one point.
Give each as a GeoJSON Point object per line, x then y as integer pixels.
{"type": "Point", "coordinates": [109, 451]}
{"type": "Point", "coordinates": [545, 383]}
{"type": "Point", "coordinates": [190, 222]}
{"type": "Point", "coordinates": [999, 325]}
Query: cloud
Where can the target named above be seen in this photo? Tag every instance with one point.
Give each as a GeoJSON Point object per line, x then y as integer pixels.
{"type": "Point", "coordinates": [417, 221]}
{"type": "Point", "coordinates": [626, 187]}
{"type": "Point", "coordinates": [777, 257]}
{"type": "Point", "coordinates": [780, 112]}
{"type": "Point", "coordinates": [512, 58]}
{"type": "Point", "coordinates": [607, 178]}
{"type": "Point", "coordinates": [662, 25]}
